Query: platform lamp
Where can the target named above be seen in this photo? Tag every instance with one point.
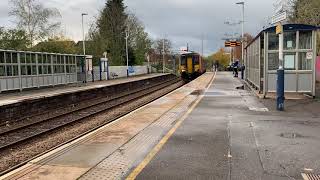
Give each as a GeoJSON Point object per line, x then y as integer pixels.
{"type": "Point", "coordinates": [84, 47]}
{"type": "Point", "coordinates": [127, 51]}
{"type": "Point", "coordinates": [242, 39]}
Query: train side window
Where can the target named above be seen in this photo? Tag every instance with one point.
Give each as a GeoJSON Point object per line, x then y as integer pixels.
{"type": "Point", "coordinates": [196, 60]}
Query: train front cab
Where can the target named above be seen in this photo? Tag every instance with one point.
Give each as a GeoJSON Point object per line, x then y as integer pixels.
{"type": "Point", "coordinates": [190, 66]}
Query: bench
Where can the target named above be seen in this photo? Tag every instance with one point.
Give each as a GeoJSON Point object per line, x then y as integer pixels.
{"type": "Point", "coordinates": [114, 75]}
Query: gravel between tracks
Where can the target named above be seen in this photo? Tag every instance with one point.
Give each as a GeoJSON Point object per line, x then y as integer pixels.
{"type": "Point", "coordinates": [26, 151]}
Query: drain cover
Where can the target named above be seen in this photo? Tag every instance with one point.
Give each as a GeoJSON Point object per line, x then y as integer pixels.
{"type": "Point", "coordinates": [291, 135]}
{"type": "Point", "coordinates": [310, 176]}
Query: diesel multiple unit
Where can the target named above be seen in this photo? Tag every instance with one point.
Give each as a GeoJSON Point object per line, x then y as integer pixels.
{"type": "Point", "coordinates": [191, 65]}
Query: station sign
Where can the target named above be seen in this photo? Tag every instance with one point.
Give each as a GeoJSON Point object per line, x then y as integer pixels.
{"type": "Point", "coordinates": [279, 17]}
{"type": "Point", "coordinates": [232, 43]}
{"type": "Point", "coordinates": [279, 28]}
{"type": "Point", "coordinates": [280, 6]}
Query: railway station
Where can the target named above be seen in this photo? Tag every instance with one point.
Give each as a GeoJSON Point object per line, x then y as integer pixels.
{"type": "Point", "coordinates": [106, 97]}
{"type": "Point", "coordinates": [206, 129]}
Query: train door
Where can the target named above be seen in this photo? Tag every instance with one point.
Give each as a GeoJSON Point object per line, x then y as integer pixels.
{"type": "Point", "coordinates": [196, 63]}
{"type": "Point", "coordinates": [190, 64]}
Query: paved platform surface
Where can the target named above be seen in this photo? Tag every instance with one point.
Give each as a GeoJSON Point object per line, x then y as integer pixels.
{"type": "Point", "coordinates": [15, 97]}
{"type": "Point", "coordinates": [231, 134]}
{"type": "Point", "coordinates": [194, 133]}
{"type": "Point", "coordinates": [111, 151]}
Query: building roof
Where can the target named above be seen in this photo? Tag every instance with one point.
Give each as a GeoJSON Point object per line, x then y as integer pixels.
{"type": "Point", "coordinates": [287, 27]}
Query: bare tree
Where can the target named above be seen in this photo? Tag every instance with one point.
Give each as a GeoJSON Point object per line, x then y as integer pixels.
{"type": "Point", "coordinates": [35, 19]}
{"type": "Point", "coordinates": [139, 40]}
{"type": "Point", "coordinates": [160, 43]}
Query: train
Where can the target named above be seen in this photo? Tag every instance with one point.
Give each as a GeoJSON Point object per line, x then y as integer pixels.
{"type": "Point", "coordinates": [191, 65]}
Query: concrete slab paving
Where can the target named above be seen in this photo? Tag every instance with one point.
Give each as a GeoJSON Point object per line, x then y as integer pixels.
{"type": "Point", "coordinates": [111, 151]}
{"type": "Point", "coordinates": [234, 135]}
{"type": "Point", "coordinates": [231, 134]}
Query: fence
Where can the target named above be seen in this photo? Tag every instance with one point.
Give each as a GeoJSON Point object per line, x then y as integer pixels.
{"type": "Point", "coordinates": [21, 70]}
{"type": "Point", "coordinates": [115, 72]}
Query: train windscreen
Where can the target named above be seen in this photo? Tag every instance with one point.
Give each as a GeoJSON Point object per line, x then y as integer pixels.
{"type": "Point", "coordinates": [183, 60]}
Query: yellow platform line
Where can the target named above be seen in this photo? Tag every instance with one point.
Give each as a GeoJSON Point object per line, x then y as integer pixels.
{"type": "Point", "coordinates": [164, 140]}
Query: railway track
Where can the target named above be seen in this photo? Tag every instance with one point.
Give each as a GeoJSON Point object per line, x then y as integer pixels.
{"type": "Point", "coordinates": [21, 134]}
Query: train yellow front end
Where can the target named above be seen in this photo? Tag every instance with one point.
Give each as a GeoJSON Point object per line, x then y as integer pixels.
{"type": "Point", "coordinates": [191, 65]}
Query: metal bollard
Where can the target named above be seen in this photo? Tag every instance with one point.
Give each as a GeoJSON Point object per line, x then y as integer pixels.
{"type": "Point", "coordinates": [280, 90]}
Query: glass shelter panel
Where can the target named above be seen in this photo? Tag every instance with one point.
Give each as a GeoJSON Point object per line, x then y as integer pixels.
{"type": "Point", "coordinates": [304, 62]}
{"type": "Point", "coordinates": [273, 41]}
{"type": "Point", "coordinates": [2, 70]}
{"type": "Point", "coordinates": [289, 61]}
{"type": "Point", "coordinates": [273, 61]}
{"type": "Point", "coordinates": [289, 40]}
{"type": "Point", "coordinates": [2, 61]}
{"type": "Point", "coordinates": [305, 40]}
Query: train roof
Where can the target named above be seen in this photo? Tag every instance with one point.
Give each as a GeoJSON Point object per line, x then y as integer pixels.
{"type": "Point", "coordinates": [187, 53]}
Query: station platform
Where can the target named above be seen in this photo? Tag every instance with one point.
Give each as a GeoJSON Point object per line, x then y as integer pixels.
{"type": "Point", "coordinates": [207, 129]}
{"type": "Point", "coordinates": [16, 97]}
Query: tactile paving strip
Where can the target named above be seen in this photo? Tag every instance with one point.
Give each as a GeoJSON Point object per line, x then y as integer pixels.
{"type": "Point", "coordinates": [310, 176]}
{"type": "Point", "coordinates": [117, 165]}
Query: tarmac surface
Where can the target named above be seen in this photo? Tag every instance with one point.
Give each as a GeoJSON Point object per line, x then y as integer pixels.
{"type": "Point", "coordinates": [232, 134]}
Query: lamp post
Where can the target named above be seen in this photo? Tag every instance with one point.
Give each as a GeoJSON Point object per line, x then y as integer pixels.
{"type": "Point", "coordinates": [84, 47]}
{"type": "Point", "coordinates": [83, 34]}
{"type": "Point", "coordinates": [163, 57]}
{"type": "Point", "coordinates": [127, 51]}
{"type": "Point", "coordinates": [242, 39]}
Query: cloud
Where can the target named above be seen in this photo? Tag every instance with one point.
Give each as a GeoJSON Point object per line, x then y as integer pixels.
{"type": "Point", "coordinates": [182, 21]}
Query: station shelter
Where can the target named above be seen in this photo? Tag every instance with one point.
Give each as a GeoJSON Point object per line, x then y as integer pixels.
{"type": "Point", "coordinates": [299, 51]}
{"type": "Point", "coordinates": [22, 70]}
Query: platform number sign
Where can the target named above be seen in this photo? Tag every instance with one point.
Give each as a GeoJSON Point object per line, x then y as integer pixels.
{"type": "Point", "coordinates": [232, 43]}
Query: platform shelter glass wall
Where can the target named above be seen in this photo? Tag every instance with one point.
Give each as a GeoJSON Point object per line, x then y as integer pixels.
{"type": "Point", "coordinates": [298, 62]}
{"type": "Point", "coordinates": [253, 63]}
{"type": "Point", "coordinates": [262, 59]}
{"type": "Point", "coordinates": [20, 70]}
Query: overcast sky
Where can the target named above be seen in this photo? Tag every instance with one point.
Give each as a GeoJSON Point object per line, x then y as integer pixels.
{"type": "Point", "coordinates": [181, 21]}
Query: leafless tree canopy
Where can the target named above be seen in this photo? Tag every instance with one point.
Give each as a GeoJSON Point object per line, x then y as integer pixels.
{"type": "Point", "coordinates": [35, 19]}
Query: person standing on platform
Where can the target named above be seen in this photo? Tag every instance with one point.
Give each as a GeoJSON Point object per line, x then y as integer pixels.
{"type": "Point", "coordinates": [235, 67]}
{"type": "Point", "coordinates": [216, 65]}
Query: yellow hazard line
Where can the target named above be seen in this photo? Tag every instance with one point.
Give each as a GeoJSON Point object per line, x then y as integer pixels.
{"type": "Point", "coordinates": [164, 140]}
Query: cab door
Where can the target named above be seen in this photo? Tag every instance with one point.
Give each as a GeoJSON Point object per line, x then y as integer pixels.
{"type": "Point", "coordinates": [190, 65]}
{"type": "Point", "coordinates": [196, 62]}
